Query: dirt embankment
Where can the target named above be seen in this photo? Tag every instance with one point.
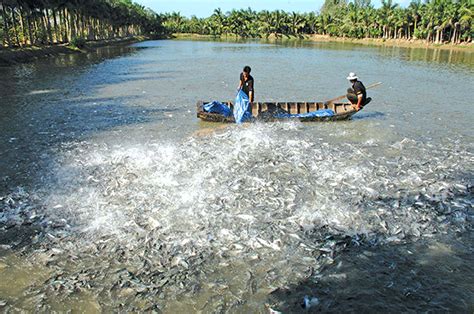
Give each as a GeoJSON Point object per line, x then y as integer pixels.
{"type": "Point", "coordinates": [413, 43]}
{"type": "Point", "coordinates": [28, 54]}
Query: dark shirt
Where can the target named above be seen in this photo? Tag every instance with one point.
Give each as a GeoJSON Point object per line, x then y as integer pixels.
{"type": "Point", "coordinates": [359, 89]}
{"type": "Point", "coordinates": [247, 86]}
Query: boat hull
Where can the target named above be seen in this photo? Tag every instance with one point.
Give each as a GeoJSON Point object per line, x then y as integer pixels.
{"type": "Point", "coordinates": [265, 111]}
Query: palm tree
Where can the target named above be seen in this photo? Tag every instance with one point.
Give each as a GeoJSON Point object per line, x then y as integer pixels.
{"type": "Point", "coordinates": [278, 22]}
{"type": "Point", "coordinates": [8, 8]}
{"type": "Point", "coordinates": [217, 22]}
{"type": "Point", "coordinates": [6, 26]}
{"type": "Point", "coordinates": [387, 17]}
{"type": "Point", "coordinates": [297, 22]}
{"type": "Point", "coordinates": [414, 10]}
{"type": "Point", "coordinates": [431, 20]}
{"type": "Point", "coordinates": [266, 26]}
{"type": "Point", "coordinates": [311, 23]}
{"type": "Point", "coordinates": [450, 18]}
{"type": "Point", "coordinates": [53, 21]}
{"type": "Point", "coordinates": [466, 17]}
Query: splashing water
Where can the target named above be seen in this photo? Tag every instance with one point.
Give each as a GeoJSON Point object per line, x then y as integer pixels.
{"type": "Point", "coordinates": [261, 204]}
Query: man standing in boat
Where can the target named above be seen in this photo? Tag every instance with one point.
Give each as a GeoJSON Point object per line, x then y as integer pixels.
{"type": "Point", "coordinates": [246, 83]}
{"type": "Point", "coordinates": [356, 94]}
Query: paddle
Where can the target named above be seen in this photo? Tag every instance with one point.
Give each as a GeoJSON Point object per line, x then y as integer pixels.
{"type": "Point", "coordinates": [342, 96]}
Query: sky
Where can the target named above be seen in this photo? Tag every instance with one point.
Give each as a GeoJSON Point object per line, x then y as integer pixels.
{"type": "Point", "coordinates": [204, 8]}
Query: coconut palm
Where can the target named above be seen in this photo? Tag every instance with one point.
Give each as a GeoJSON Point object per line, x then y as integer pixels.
{"type": "Point", "coordinates": [414, 10]}
{"type": "Point", "coordinates": [297, 22]}
{"type": "Point", "coordinates": [217, 22]}
{"type": "Point", "coordinates": [266, 26]}
{"type": "Point", "coordinates": [26, 22]}
{"type": "Point", "coordinates": [466, 17]}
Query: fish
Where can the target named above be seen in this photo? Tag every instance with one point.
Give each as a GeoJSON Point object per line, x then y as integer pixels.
{"type": "Point", "coordinates": [156, 220]}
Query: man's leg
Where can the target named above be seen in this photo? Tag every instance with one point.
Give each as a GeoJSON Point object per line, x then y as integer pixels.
{"type": "Point", "coordinates": [351, 95]}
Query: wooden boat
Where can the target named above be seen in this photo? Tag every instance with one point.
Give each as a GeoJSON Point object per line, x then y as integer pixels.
{"type": "Point", "coordinates": [266, 111]}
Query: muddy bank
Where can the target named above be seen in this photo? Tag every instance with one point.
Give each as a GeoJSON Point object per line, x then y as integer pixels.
{"type": "Point", "coordinates": [28, 54]}
{"type": "Point", "coordinates": [414, 43]}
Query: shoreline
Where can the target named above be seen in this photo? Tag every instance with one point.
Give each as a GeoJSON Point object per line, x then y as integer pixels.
{"type": "Point", "coordinates": [401, 43]}
{"type": "Point", "coordinates": [28, 54]}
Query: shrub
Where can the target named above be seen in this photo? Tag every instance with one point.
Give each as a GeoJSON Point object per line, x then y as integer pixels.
{"type": "Point", "coordinates": [78, 42]}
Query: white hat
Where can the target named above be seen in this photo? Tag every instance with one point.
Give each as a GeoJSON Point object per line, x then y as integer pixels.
{"type": "Point", "coordinates": [352, 76]}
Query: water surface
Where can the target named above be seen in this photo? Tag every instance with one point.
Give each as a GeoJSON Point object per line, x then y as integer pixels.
{"type": "Point", "coordinates": [115, 197]}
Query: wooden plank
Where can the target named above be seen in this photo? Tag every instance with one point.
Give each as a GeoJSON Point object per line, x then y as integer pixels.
{"type": "Point", "coordinates": [313, 106]}
{"type": "Point", "coordinates": [301, 107]}
{"type": "Point", "coordinates": [293, 108]}
{"type": "Point", "coordinates": [255, 106]}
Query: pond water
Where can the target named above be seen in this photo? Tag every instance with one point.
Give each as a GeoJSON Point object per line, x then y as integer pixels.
{"type": "Point", "coordinates": [115, 197]}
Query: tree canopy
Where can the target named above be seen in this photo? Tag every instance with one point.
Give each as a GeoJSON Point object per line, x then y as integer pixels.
{"type": "Point", "coordinates": [42, 22]}
{"type": "Point", "coordinates": [434, 20]}
{"type": "Point", "coordinates": [33, 22]}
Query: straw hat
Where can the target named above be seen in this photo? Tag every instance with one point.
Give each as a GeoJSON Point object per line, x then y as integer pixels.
{"type": "Point", "coordinates": [352, 76]}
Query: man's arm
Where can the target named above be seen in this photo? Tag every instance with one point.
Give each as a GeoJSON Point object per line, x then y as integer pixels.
{"type": "Point", "coordinates": [358, 90]}
{"type": "Point", "coordinates": [251, 90]}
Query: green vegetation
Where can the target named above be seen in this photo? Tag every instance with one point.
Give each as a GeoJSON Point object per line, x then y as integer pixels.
{"type": "Point", "coordinates": [78, 42]}
{"type": "Point", "coordinates": [437, 21]}
{"type": "Point", "coordinates": [46, 22]}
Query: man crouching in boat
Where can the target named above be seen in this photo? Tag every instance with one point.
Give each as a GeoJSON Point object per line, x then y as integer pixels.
{"type": "Point", "coordinates": [356, 94]}
{"type": "Point", "coordinates": [246, 82]}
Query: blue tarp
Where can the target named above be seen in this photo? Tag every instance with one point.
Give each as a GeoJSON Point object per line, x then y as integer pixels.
{"type": "Point", "coordinates": [217, 107]}
{"type": "Point", "coordinates": [318, 113]}
{"type": "Point", "coordinates": [242, 107]}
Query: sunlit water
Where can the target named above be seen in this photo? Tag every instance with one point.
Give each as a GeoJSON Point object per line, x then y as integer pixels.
{"type": "Point", "coordinates": [115, 197]}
